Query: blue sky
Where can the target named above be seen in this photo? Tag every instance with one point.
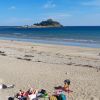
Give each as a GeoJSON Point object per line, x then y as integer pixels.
{"type": "Point", "coordinates": [68, 12]}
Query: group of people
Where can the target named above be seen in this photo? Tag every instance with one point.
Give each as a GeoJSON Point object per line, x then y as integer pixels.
{"type": "Point", "coordinates": [31, 94]}
{"type": "Point", "coordinates": [34, 94]}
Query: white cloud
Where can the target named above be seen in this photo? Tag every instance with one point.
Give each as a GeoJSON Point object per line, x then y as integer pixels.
{"type": "Point", "coordinates": [92, 3]}
{"type": "Point", "coordinates": [12, 8]}
{"type": "Point", "coordinates": [49, 4]}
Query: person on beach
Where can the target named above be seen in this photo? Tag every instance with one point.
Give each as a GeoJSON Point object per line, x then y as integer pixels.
{"type": "Point", "coordinates": [3, 86]}
{"type": "Point", "coordinates": [21, 95]}
{"type": "Point", "coordinates": [66, 85]}
{"type": "Point", "coordinates": [33, 94]}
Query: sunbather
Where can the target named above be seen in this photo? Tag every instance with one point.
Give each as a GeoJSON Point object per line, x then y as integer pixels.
{"type": "Point", "coordinates": [33, 95]}
{"type": "Point", "coordinates": [3, 86]}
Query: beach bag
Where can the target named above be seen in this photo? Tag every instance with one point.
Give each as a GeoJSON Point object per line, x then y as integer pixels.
{"type": "Point", "coordinates": [52, 98]}
{"type": "Point", "coordinates": [10, 98]}
{"type": "Point", "coordinates": [24, 98]}
{"type": "Point", "coordinates": [43, 91]}
{"type": "Point", "coordinates": [62, 97]}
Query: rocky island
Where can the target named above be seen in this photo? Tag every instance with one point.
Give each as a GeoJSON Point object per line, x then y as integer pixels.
{"type": "Point", "coordinates": [44, 24]}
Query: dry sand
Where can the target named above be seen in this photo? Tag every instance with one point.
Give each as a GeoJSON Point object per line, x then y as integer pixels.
{"type": "Point", "coordinates": [46, 66]}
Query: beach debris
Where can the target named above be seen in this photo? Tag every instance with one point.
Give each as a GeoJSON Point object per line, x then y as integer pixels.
{"type": "Point", "coordinates": [88, 66]}
{"type": "Point", "coordinates": [27, 59]}
{"type": "Point", "coordinates": [70, 63]}
{"type": "Point", "coordinates": [19, 58]}
{"type": "Point", "coordinates": [3, 53]}
{"type": "Point", "coordinates": [39, 61]}
{"type": "Point", "coordinates": [28, 56]}
{"type": "Point", "coordinates": [77, 65]}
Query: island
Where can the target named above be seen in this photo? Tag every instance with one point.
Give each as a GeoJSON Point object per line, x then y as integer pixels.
{"type": "Point", "coordinates": [44, 24]}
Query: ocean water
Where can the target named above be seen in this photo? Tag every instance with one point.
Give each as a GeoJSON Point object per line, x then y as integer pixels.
{"type": "Point", "coordinates": [85, 36]}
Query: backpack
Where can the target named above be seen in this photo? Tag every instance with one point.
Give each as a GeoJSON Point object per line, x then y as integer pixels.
{"type": "Point", "coordinates": [10, 98]}
{"type": "Point", "coordinates": [43, 91]}
{"type": "Point", "coordinates": [52, 98]}
{"type": "Point", "coordinates": [62, 97]}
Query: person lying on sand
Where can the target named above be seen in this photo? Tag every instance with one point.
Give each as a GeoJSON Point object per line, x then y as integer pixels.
{"type": "Point", "coordinates": [28, 95]}
{"type": "Point", "coordinates": [33, 95]}
{"type": "Point", "coordinates": [3, 86]}
{"type": "Point", "coordinates": [21, 95]}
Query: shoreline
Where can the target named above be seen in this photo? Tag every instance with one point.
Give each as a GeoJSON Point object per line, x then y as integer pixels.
{"type": "Point", "coordinates": [45, 66]}
{"type": "Point", "coordinates": [54, 46]}
{"type": "Point", "coordinates": [36, 41]}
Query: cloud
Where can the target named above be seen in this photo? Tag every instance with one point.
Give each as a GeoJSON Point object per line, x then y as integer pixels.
{"type": "Point", "coordinates": [49, 4]}
{"type": "Point", "coordinates": [12, 8]}
{"type": "Point", "coordinates": [92, 3]}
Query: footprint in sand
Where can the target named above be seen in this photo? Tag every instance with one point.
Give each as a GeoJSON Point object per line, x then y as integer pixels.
{"type": "Point", "coordinates": [93, 98]}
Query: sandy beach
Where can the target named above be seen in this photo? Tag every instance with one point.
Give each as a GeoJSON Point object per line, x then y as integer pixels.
{"type": "Point", "coordinates": [46, 66]}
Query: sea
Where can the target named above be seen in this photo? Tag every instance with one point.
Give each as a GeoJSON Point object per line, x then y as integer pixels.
{"type": "Point", "coordinates": [84, 36]}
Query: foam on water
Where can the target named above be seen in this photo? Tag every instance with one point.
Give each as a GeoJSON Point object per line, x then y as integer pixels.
{"type": "Point", "coordinates": [76, 36]}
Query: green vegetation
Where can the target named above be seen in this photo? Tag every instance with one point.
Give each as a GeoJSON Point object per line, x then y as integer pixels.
{"type": "Point", "coordinates": [43, 24]}
{"type": "Point", "coordinates": [48, 23]}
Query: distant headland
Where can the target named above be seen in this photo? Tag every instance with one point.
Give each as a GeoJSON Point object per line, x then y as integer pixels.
{"type": "Point", "coordinates": [44, 24]}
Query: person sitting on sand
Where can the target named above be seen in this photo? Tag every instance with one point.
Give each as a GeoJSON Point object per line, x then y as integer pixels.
{"type": "Point", "coordinates": [66, 85]}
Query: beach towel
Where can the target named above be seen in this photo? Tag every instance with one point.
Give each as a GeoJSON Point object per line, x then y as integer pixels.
{"type": "Point", "coordinates": [32, 96]}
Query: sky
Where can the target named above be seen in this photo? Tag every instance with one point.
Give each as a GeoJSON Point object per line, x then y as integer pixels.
{"type": "Point", "coordinates": [67, 12]}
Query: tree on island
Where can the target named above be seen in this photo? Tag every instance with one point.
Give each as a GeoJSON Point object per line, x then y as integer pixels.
{"type": "Point", "coordinates": [48, 23]}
